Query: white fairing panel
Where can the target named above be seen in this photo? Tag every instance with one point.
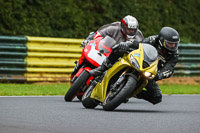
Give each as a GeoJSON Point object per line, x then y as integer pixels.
{"type": "Point", "coordinates": [93, 54]}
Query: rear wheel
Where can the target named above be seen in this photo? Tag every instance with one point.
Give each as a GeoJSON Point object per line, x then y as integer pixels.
{"type": "Point", "coordinates": [87, 101]}
{"type": "Point", "coordinates": [115, 98]}
{"type": "Point", "coordinates": [76, 86]}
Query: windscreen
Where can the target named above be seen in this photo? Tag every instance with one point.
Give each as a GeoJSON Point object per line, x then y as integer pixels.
{"type": "Point", "coordinates": [150, 53]}
{"type": "Point", "coordinates": [106, 44]}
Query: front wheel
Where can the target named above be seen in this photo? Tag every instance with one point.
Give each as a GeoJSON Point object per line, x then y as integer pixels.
{"type": "Point", "coordinates": [113, 99]}
{"type": "Point", "coordinates": [78, 83]}
{"type": "Point", "coordinates": [88, 102]}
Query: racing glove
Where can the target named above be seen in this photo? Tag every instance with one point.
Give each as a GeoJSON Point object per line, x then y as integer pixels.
{"type": "Point", "coordinates": [159, 76]}
{"type": "Point", "coordinates": [88, 39]}
{"type": "Point", "coordinates": [123, 46]}
{"type": "Point", "coordinates": [163, 74]}
{"type": "Point", "coordinates": [134, 44]}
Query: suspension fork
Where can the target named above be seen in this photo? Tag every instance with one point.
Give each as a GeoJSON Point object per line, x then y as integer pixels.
{"type": "Point", "coordinates": [119, 80]}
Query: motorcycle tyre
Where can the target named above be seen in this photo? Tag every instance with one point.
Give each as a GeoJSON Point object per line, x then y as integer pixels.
{"type": "Point", "coordinates": [81, 80]}
{"type": "Point", "coordinates": [121, 96]}
{"type": "Point", "coordinates": [79, 97]}
{"type": "Point", "coordinates": [88, 102]}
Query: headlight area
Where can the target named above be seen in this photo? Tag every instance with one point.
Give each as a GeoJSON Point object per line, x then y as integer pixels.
{"type": "Point", "coordinates": [149, 75]}
{"type": "Point", "coordinates": [134, 62]}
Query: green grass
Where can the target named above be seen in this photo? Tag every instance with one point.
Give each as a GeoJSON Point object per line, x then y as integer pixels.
{"type": "Point", "coordinates": [33, 89]}
{"type": "Point", "coordinates": [61, 89]}
{"type": "Point", "coordinates": [180, 89]}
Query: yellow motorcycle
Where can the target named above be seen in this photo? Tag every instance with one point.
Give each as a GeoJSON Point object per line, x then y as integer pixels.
{"type": "Point", "coordinates": [126, 78]}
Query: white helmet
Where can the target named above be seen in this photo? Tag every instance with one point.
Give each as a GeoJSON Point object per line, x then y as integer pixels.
{"type": "Point", "coordinates": [129, 26]}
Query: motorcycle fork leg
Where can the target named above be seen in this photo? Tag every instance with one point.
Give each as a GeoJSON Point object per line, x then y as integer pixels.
{"type": "Point", "coordinates": [119, 81]}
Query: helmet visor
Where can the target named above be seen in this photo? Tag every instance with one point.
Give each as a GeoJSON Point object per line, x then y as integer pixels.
{"type": "Point", "coordinates": [130, 31]}
{"type": "Point", "coordinates": [172, 46]}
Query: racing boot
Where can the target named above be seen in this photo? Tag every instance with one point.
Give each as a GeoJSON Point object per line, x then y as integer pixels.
{"type": "Point", "coordinates": [99, 70]}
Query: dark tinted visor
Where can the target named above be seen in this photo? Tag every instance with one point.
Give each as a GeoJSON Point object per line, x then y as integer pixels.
{"type": "Point", "coordinates": [171, 45]}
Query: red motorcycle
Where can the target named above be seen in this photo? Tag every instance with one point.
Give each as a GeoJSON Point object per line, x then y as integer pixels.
{"type": "Point", "coordinates": [92, 56]}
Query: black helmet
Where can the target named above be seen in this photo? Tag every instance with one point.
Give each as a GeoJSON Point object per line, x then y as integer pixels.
{"type": "Point", "coordinates": [169, 38]}
{"type": "Point", "coordinates": [129, 26]}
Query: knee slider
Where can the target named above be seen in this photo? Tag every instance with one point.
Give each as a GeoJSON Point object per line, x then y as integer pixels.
{"type": "Point", "coordinates": [157, 99]}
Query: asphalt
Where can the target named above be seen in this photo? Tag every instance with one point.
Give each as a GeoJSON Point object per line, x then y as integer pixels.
{"type": "Point", "coordinates": [176, 114]}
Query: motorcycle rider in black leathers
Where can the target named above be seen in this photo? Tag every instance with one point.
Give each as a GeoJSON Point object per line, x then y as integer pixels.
{"type": "Point", "coordinates": [166, 44]}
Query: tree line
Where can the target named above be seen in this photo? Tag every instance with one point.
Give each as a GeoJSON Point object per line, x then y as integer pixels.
{"type": "Point", "coordinates": [76, 18]}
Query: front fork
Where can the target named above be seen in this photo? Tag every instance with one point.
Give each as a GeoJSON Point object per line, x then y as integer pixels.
{"type": "Point", "coordinates": [77, 66]}
{"type": "Point", "coordinates": [136, 75]}
{"type": "Point", "coordinates": [119, 81]}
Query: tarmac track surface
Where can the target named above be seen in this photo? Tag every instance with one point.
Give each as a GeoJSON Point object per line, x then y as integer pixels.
{"type": "Point", "coordinates": [176, 114]}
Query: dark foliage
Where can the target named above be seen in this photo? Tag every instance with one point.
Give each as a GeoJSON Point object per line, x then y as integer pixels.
{"type": "Point", "coordinates": [76, 18]}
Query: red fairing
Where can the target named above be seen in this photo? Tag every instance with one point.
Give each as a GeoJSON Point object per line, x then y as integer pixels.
{"type": "Point", "coordinates": [82, 58]}
{"type": "Point", "coordinates": [91, 57]}
{"type": "Point", "coordinates": [87, 51]}
{"type": "Point", "coordinates": [107, 48]}
{"type": "Point", "coordinates": [96, 35]}
{"type": "Point", "coordinates": [81, 70]}
{"type": "Point", "coordinates": [88, 69]}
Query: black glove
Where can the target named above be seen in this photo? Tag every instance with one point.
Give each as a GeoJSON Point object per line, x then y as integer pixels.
{"type": "Point", "coordinates": [159, 76]}
{"type": "Point", "coordinates": [123, 47]}
{"type": "Point", "coordinates": [134, 44]}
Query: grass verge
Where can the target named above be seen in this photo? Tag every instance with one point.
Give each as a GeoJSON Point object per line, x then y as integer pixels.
{"type": "Point", "coordinates": [33, 89]}
{"type": "Point", "coordinates": [61, 89]}
{"type": "Point", "coordinates": [179, 89]}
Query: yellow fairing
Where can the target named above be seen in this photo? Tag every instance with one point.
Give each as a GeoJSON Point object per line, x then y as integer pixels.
{"type": "Point", "coordinates": [139, 56]}
{"type": "Point", "coordinates": [99, 92]}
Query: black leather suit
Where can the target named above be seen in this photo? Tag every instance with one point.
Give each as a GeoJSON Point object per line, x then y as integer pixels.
{"type": "Point", "coordinates": [166, 64]}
